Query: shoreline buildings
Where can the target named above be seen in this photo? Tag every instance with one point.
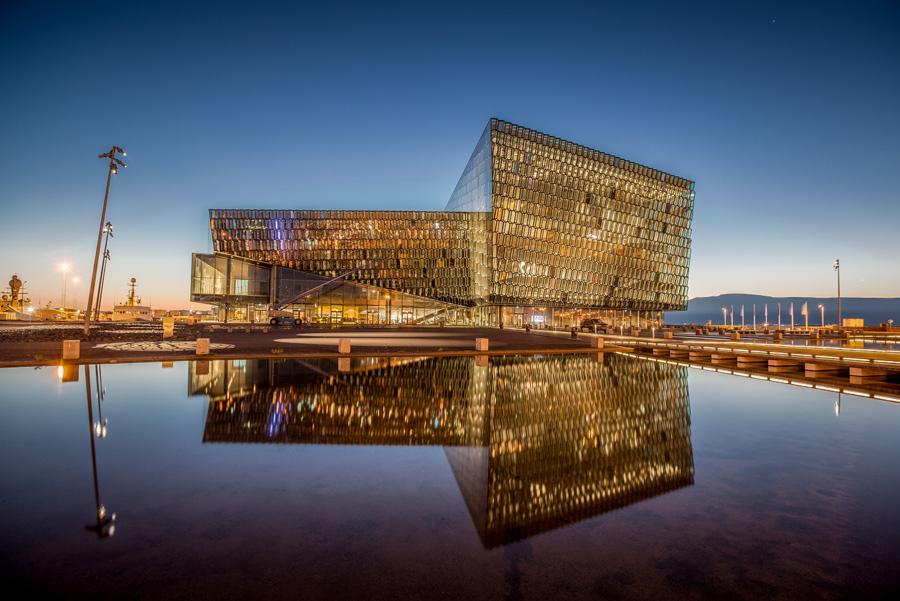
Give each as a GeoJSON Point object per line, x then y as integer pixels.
{"type": "Point", "coordinates": [537, 231]}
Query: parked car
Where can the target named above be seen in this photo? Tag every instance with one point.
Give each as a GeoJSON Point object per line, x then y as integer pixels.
{"type": "Point", "coordinates": [591, 324]}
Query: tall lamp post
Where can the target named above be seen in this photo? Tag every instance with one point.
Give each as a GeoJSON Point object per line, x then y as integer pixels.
{"type": "Point", "coordinates": [114, 164]}
{"type": "Point", "coordinates": [837, 268]}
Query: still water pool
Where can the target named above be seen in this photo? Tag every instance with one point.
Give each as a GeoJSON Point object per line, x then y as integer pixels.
{"type": "Point", "coordinates": [503, 478]}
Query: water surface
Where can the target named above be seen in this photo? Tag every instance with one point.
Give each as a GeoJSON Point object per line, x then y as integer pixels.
{"type": "Point", "coordinates": [498, 478]}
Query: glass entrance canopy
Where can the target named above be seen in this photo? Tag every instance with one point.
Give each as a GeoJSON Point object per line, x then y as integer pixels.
{"type": "Point", "coordinates": [244, 290]}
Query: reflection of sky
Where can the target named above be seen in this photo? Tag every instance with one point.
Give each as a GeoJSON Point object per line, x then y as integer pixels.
{"type": "Point", "coordinates": [314, 108]}
{"type": "Point", "coordinates": [785, 495]}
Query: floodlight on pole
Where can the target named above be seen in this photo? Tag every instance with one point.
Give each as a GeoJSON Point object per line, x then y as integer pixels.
{"type": "Point", "coordinates": [837, 269]}
{"type": "Point", "coordinates": [113, 168]}
{"type": "Point", "coordinates": [108, 233]}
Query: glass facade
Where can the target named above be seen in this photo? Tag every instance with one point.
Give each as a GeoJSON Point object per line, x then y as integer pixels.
{"type": "Point", "coordinates": [512, 428]}
{"type": "Point", "coordinates": [576, 227]}
{"type": "Point", "coordinates": [537, 230]}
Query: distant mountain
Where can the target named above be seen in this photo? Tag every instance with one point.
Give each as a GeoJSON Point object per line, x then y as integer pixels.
{"type": "Point", "coordinates": [702, 309]}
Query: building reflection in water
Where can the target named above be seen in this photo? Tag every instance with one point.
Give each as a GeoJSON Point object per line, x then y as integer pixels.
{"type": "Point", "coordinates": [535, 443]}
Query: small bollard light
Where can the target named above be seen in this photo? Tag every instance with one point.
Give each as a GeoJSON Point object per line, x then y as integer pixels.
{"type": "Point", "coordinates": [168, 324]}
{"type": "Point", "coordinates": [71, 350]}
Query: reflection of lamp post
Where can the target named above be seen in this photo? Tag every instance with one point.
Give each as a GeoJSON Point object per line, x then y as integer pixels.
{"type": "Point", "coordinates": [822, 309]}
{"type": "Point", "coordinates": [106, 522]}
{"type": "Point", "coordinates": [101, 425]}
{"type": "Point", "coordinates": [724, 316]}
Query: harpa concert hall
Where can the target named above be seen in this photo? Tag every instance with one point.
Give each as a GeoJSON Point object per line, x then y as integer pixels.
{"type": "Point", "coordinates": [538, 231]}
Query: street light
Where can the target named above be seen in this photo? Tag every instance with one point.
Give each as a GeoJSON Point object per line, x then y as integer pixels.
{"type": "Point", "coordinates": [114, 164]}
{"type": "Point", "coordinates": [64, 268]}
{"type": "Point", "coordinates": [822, 309]}
{"type": "Point", "coordinates": [108, 232]}
{"type": "Point", "coordinates": [837, 268]}
{"type": "Point", "coordinates": [75, 281]}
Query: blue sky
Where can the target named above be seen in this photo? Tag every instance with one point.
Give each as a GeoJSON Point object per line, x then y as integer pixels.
{"type": "Point", "coordinates": [785, 114]}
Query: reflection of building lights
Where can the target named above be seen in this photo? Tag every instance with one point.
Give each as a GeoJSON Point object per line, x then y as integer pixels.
{"type": "Point", "coordinates": [59, 373]}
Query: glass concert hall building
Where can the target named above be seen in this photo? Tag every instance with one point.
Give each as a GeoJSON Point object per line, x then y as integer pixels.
{"type": "Point", "coordinates": [537, 231]}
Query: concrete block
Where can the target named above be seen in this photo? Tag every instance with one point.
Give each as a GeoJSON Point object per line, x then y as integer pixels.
{"type": "Point", "coordinates": [791, 363]}
{"type": "Point", "coordinates": [824, 367]}
{"type": "Point", "coordinates": [168, 324]}
{"type": "Point", "coordinates": [482, 344]}
{"type": "Point", "coordinates": [750, 359]}
{"type": "Point", "coordinates": [699, 355]}
{"type": "Point", "coordinates": [596, 342]}
{"type": "Point", "coordinates": [735, 335]}
{"type": "Point", "coordinates": [677, 352]}
{"type": "Point", "coordinates": [344, 346]}
{"type": "Point", "coordinates": [868, 372]}
{"type": "Point", "coordinates": [71, 350]}
{"type": "Point", "coordinates": [203, 346]}
{"type": "Point", "coordinates": [722, 357]}
{"type": "Point", "coordinates": [661, 352]}
{"type": "Point", "coordinates": [667, 334]}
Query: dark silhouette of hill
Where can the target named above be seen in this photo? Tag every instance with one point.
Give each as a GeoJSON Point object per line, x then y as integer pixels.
{"type": "Point", "coordinates": [704, 308]}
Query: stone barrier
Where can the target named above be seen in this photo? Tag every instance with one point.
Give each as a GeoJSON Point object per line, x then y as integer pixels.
{"type": "Point", "coordinates": [596, 342]}
{"type": "Point", "coordinates": [71, 350]}
{"type": "Point", "coordinates": [344, 346]}
{"type": "Point", "coordinates": [735, 335]}
{"type": "Point", "coordinates": [481, 344]}
{"type": "Point", "coordinates": [203, 346]}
